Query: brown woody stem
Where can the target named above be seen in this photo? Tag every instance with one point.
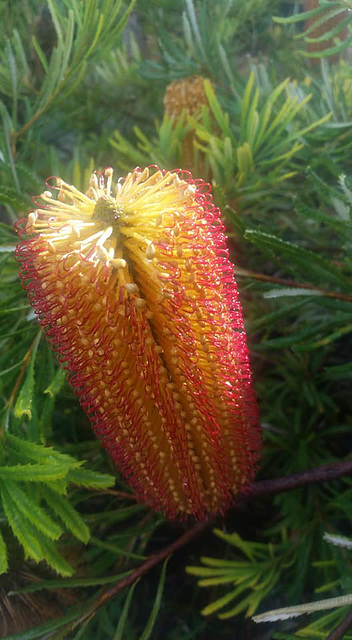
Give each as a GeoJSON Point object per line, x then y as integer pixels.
{"type": "Point", "coordinates": [262, 488]}
{"type": "Point", "coordinates": [339, 632]}
{"type": "Point", "coordinates": [324, 473]}
{"type": "Point", "coordinates": [290, 283]}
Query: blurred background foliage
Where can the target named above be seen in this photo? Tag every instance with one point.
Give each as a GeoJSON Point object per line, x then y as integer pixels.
{"type": "Point", "coordinates": [270, 126]}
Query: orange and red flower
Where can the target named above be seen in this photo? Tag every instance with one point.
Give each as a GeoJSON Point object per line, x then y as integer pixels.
{"type": "Point", "coordinates": [135, 291]}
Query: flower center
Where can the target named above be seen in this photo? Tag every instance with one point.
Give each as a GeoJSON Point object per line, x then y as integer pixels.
{"type": "Point", "coordinates": [108, 212]}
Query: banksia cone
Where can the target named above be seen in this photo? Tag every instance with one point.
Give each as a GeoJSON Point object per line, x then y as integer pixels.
{"type": "Point", "coordinates": [186, 97]}
{"type": "Point", "coordinates": [136, 295]}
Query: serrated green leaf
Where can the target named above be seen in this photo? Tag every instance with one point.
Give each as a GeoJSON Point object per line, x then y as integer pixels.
{"type": "Point", "coordinates": [40, 453]}
{"type": "Point", "coordinates": [69, 516]}
{"type": "Point", "coordinates": [58, 486]}
{"type": "Point", "coordinates": [90, 479]}
{"type": "Point", "coordinates": [23, 530]}
{"type": "Point", "coordinates": [33, 472]}
{"type": "Point", "coordinates": [53, 558]}
{"type": "Point", "coordinates": [32, 511]}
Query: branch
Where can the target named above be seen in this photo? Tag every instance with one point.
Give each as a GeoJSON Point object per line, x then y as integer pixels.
{"type": "Point", "coordinates": [339, 632]}
{"type": "Point", "coordinates": [290, 283]}
{"type": "Point", "coordinates": [259, 489]}
{"type": "Point", "coordinates": [105, 596]}
{"type": "Point", "coordinates": [324, 473]}
{"type": "Point", "coordinates": [152, 562]}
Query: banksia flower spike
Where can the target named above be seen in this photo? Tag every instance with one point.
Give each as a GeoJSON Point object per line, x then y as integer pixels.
{"type": "Point", "coordinates": [183, 98]}
{"type": "Point", "coordinates": [186, 96]}
{"type": "Point", "coordinates": [134, 289]}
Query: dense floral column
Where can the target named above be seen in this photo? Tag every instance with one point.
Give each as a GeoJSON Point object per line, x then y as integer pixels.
{"type": "Point", "coordinates": [135, 291]}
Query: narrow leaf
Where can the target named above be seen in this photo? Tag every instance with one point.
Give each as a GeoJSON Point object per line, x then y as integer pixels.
{"type": "Point", "coordinates": [4, 565]}
{"type": "Point", "coordinates": [236, 540]}
{"type": "Point", "coordinates": [148, 630]}
{"type": "Point", "coordinates": [24, 401]}
{"type": "Point", "coordinates": [39, 51]}
{"type": "Point", "coordinates": [118, 635]}
{"type": "Point", "coordinates": [220, 603]}
{"type": "Point", "coordinates": [70, 583]}
{"type": "Point", "coordinates": [57, 382]}
{"type": "Point", "coordinates": [299, 255]}
{"type": "Point", "coordinates": [303, 15]}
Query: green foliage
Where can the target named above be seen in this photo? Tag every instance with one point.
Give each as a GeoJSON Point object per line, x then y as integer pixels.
{"type": "Point", "coordinates": [247, 150]}
{"type": "Point", "coordinates": [254, 578]}
{"type": "Point", "coordinates": [208, 38]}
{"type": "Point", "coordinates": [34, 483]}
{"type": "Point", "coordinates": [329, 30]}
{"type": "Point", "coordinates": [80, 35]}
{"type": "Point", "coordinates": [320, 628]}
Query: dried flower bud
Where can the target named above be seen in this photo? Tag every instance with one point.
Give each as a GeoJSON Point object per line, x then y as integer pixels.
{"type": "Point", "coordinates": [154, 348]}
{"type": "Point", "coordinates": [185, 96]}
